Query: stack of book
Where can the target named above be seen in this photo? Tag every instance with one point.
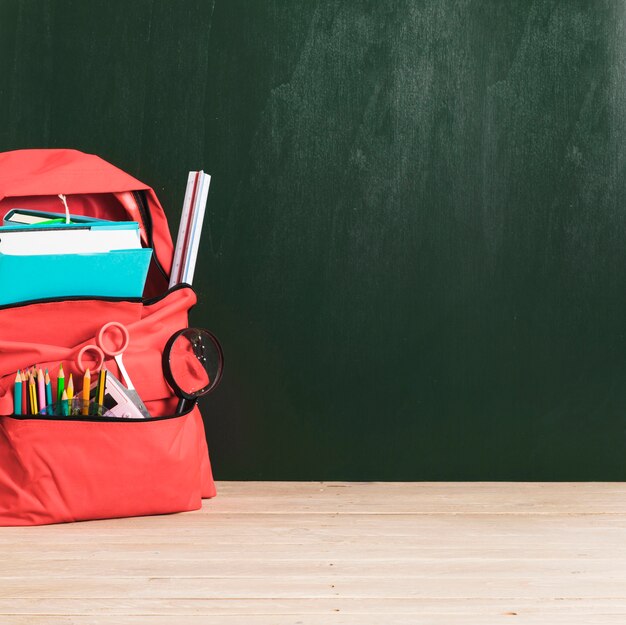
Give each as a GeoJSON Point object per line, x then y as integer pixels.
{"type": "Point", "coordinates": [42, 256]}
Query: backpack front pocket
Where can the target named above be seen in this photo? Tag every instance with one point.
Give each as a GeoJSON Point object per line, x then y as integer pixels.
{"type": "Point", "coordinates": [55, 470]}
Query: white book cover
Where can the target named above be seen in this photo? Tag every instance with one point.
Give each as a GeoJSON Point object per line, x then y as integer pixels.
{"type": "Point", "coordinates": [36, 242]}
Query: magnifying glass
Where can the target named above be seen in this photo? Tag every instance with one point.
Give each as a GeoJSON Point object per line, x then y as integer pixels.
{"type": "Point", "coordinates": [193, 361]}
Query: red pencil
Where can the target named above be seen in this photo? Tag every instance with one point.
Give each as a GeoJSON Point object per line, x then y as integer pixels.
{"type": "Point", "coordinates": [25, 403]}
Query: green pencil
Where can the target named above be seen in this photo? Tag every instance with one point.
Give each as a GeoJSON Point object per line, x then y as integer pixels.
{"type": "Point", "coordinates": [60, 387]}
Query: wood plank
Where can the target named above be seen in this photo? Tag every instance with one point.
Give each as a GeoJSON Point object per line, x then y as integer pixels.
{"type": "Point", "coordinates": [525, 586]}
{"type": "Point", "coordinates": [302, 528]}
{"type": "Point", "coordinates": [112, 552]}
{"type": "Point", "coordinates": [335, 619]}
{"type": "Point", "coordinates": [37, 569]}
{"type": "Point", "coordinates": [363, 606]}
{"type": "Point", "coordinates": [419, 497]}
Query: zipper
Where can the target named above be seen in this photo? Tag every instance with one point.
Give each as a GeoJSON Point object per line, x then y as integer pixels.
{"type": "Point", "coordinates": [91, 419]}
{"type": "Point", "coordinates": [100, 298]}
{"type": "Point", "coordinates": [146, 218]}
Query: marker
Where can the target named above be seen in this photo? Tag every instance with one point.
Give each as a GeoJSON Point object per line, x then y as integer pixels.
{"type": "Point", "coordinates": [49, 406]}
{"type": "Point", "coordinates": [86, 389]}
{"type": "Point", "coordinates": [17, 394]}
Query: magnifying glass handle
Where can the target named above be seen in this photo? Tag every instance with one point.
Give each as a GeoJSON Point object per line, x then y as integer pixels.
{"type": "Point", "coordinates": [183, 405]}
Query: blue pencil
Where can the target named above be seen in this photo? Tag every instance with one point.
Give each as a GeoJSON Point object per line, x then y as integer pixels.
{"type": "Point", "coordinates": [65, 411]}
{"type": "Point", "coordinates": [49, 406]}
{"type": "Point", "coordinates": [17, 396]}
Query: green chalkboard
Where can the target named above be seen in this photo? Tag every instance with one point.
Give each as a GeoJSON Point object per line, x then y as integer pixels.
{"type": "Point", "coordinates": [415, 246]}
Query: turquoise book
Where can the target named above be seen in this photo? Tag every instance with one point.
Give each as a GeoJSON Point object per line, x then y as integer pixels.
{"type": "Point", "coordinates": [102, 259]}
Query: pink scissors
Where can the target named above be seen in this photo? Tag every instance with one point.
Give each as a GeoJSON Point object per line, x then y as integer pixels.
{"type": "Point", "coordinates": [111, 342]}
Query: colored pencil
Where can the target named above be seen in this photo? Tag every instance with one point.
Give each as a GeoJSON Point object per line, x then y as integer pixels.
{"type": "Point", "coordinates": [30, 396]}
{"type": "Point", "coordinates": [49, 405]}
{"type": "Point", "coordinates": [64, 406]}
{"type": "Point", "coordinates": [41, 387]}
{"type": "Point", "coordinates": [35, 400]}
{"type": "Point", "coordinates": [60, 384]}
{"type": "Point", "coordinates": [102, 382]}
{"type": "Point", "coordinates": [70, 394]}
{"type": "Point", "coordinates": [17, 394]}
{"type": "Point", "coordinates": [24, 394]}
{"type": "Point", "coordinates": [86, 389]}
{"type": "Point", "coordinates": [33, 394]}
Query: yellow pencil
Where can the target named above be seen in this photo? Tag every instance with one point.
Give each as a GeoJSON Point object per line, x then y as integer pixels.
{"type": "Point", "coordinates": [70, 395]}
{"type": "Point", "coordinates": [86, 389]}
{"type": "Point", "coordinates": [31, 406]}
{"type": "Point", "coordinates": [33, 394]}
{"type": "Point", "coordinates": [102, 383]}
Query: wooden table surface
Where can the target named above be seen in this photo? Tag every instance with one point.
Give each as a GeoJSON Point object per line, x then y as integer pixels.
{"type": "Point", "coordinates": [287, 553]}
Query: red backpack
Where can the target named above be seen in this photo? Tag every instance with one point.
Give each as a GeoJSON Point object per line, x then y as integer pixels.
{"type": "Point", "coordinates": [56, 469]}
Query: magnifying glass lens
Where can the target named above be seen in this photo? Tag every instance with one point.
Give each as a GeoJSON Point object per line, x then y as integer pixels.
{"type": "Point", "coordinates": [195, 362]}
